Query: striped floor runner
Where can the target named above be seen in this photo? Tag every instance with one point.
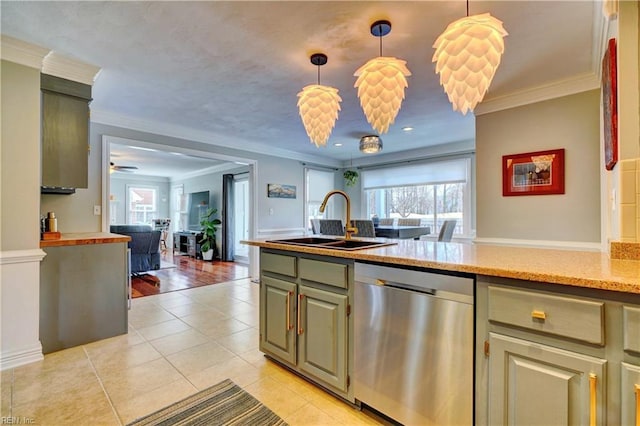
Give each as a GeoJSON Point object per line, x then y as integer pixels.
{"type": "Point", "coordinates": [222, 404]}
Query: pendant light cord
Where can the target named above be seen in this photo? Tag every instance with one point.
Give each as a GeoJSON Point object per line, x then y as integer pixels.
{"type": "Point", "coordinates": [380, 36]}
{"type": "Point", "coordinates": [467, 8]}
{"type": "Point", "coordinates": [318, 75]}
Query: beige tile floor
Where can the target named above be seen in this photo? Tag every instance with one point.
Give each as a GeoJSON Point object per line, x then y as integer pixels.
{"type": "Point", "coordinates": [178, 343]}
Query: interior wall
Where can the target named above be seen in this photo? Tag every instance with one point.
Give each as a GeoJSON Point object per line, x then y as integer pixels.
{"type": "Point", "coordinates": [20, 157]}
{"type": "Point", "coordinates": [570, 122]}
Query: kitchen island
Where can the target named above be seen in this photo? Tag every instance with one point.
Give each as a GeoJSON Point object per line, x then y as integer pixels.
{"type": "Point", "coordinates": [559, 323]}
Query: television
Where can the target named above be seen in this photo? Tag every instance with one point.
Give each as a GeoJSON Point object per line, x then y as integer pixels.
{"type": "Point", "coordinates": [198, 203]}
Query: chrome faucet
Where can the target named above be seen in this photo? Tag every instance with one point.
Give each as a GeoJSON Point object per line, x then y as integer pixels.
{"type": "Point", "coordinates": [348, 229]}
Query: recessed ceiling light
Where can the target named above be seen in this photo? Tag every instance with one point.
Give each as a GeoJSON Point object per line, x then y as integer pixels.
{"type": "Point", "coordinates": [337, 144]}
{"type": "Point", "coordinates": [407, 128]}
{"type": "Point", "coordinates": [176, 153]}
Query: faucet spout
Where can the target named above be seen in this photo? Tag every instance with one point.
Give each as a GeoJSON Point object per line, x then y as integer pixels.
{"type": "Point", "coordinates": [348, 229]}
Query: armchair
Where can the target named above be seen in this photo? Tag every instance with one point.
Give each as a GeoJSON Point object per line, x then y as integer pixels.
{"type": "Point", "coordinates": [144, 245]}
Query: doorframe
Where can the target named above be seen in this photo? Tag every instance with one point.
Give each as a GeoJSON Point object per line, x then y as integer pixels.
{"type": "Point", "coordinates": [107, 140]}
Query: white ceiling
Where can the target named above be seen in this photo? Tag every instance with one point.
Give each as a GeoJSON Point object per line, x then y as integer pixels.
{"type": "Point", "coordinates": [230, 71]}
{"type": "Point", "coordinates": [158, 162]}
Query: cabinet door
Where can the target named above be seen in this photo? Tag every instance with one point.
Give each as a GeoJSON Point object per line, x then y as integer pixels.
{"type": "Point", "coordinates": [322, 336]}
{"type": "Point", "coordinates": [630, 403]}
{"type": "Point", "coordinates": [277, 318]}
{"type": "Point", "coordinates": [65, 141]}
{"type": "Point", "coordinates": [534, 384]}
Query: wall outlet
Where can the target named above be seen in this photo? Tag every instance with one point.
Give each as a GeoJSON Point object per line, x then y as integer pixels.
{"type": "Point", "coordinates": [97, 210]}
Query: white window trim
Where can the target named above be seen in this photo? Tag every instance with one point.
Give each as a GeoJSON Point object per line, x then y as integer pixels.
{"type": "Point", "coordinates": [126, 196]}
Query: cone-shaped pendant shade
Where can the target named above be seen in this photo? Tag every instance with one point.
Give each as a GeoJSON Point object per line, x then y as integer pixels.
{"type": "Point", "coordinates": [467, 55]}
{"type": "Point", "coordinates": [381, 83]}
{"type": "Point", "coordinates": [319, 106]}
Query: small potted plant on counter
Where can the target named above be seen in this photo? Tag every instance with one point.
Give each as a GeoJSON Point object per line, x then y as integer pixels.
{"type": "Point", "coordinates": [208, 230]}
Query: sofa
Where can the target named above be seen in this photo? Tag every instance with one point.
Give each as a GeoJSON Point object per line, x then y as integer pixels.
{"type": "Point", "coordinates": [144, 245]}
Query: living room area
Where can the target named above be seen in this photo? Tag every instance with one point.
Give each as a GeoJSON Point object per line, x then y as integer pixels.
{"type": "Point", "coordinates": [159, 198]}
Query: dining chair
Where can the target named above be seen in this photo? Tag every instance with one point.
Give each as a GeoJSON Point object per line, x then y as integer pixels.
{"type": "Point", "coordinates": [365, 228]}
{"type": "Point", "coordinates": [331, 227]}
{"type": "Point", "coordinates": [386, 221]}
{"type": "Point", "coordinates": [409, 222]}
{"type": "Point", "coordinates": [446, 231]}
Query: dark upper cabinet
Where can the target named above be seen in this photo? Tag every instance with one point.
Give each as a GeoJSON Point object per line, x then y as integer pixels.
{"type": "Point", "coordinates": [65, 134]}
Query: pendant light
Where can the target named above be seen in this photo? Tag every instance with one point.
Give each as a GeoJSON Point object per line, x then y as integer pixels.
{"type": "Point", "coordinates": [381, 84]}
{"type": "Point", "coordinates": [467, 55]}
{"type": "Point", "coordinates": [370, 144]}
{"type": "Point", "coordinates": [319, 106]}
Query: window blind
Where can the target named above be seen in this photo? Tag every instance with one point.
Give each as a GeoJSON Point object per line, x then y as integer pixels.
{"type": "Point", "coordinates": [454, 170]}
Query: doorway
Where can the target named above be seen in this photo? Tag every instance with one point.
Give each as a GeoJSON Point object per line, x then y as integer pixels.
{"type": "Point", "coordinates": [241, 210]}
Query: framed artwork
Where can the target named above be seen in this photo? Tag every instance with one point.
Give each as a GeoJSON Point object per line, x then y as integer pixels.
{"type": "Point", "coordinates": [610, 105]}
{"type": "Point", "coordinates": [533, 173]}
{"type": "Point", "coordinates": [276, 190]}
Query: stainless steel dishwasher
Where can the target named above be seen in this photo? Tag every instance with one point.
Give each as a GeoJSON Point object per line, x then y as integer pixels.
{"type": "Point", "coordinates": [413, 346]}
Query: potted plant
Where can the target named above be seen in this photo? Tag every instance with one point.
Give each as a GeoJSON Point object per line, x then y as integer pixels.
{"type": "Point", "coordinates": [351, 177]}
{"type": "Point", "coordinates": [208, 230]}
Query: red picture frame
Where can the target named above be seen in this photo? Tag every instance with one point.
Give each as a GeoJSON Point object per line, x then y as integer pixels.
{"type": "Point", "coordinates": [610, 105]}
{"type": "Point", "coordinates": [533, 173]}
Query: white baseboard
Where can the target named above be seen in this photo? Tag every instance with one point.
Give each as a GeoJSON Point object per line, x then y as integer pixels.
{"type": "Point", "coordinates": [561, 245]}
{"type": "Point", "coordinates": [16, 358]}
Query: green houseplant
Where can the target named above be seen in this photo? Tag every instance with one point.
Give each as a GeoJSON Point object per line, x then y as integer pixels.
{"type": "Point", "coordinates": [208, 230]}
{"type": "Point", "coordinates": [351, 177]}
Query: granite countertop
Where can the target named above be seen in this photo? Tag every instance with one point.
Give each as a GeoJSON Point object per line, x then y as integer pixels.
{"type": "Point", "coordinates": [575, 268]}
{"type": "Point", "coordinates": [84, 238]}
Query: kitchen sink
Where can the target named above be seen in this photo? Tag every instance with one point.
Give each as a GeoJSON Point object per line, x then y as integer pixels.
{"type": "Point", "coordinates": [332, 243]}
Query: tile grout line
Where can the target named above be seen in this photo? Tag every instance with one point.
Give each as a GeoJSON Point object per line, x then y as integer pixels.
{"type": "Point", "coordinates": [95, 371]}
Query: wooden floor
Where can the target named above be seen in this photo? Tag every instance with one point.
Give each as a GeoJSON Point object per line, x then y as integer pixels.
{"type": "Point", "coordinates": [188, 273]}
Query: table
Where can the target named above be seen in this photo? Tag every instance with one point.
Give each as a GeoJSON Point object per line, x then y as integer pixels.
{"type": "Point", "coordinates": [402, 232]}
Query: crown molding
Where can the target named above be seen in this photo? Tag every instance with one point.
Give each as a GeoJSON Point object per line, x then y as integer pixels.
{"type": "Point", "coordinates": [22, 53]}
{"type": "Point", "coordinates": [181, 132]}
{"type": "Point", "coordinates": [600, 36]}
{"type": "Point", "coordinates": [556, 89]}
{"type": "Point", "coordinates": [65, 67]}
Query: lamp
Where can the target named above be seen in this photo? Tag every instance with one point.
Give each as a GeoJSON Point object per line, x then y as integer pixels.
{"type": "Point", "coordinates": [370, 144]}
{"type": "Point", "coordinates": [319, 106]}
{"type": "Point", "coordinates": [467, 55]}
{"type": "Point", "coordinates": [381, 83]}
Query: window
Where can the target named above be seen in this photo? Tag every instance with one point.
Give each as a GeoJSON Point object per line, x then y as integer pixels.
{"type": "Point", "coordinates": [142, 204]}
{"type": "Point", "coordinates": [433, 192]}
{"type": "Point", "coordinates": [318, 184]}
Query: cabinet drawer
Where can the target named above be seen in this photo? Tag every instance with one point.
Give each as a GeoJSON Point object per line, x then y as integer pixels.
{"type": "Point", "coordinates": [559, 315]}
{"type": "Point", "coordinates": [631, 328]}
{"type": "Point", "coordinates": [329, 273]}
{"type": "Point", "coordinates": [278, 263]}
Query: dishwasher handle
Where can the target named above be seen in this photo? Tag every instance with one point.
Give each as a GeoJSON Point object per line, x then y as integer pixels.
{"type": "Point", "coordinates": [405, 286]}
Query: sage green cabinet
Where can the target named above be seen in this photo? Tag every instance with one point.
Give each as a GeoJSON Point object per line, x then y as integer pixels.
{"type": "Point", "coordinates": [277, 309]}
{"type": "Point", "coordinates": [65, 132]}
{"type": "Point", "coordinates": [630, 372]}
{"type": "Point", "coordinates": [305, 316]}
{"type": "Point", "coordinates": [322, 335]}
{"type": "Point", "coordinates": [534, 384]}
{"type": "Point", "coordinates": [554, 354]}
{"type": "Point", "coordinates": [630, 394]}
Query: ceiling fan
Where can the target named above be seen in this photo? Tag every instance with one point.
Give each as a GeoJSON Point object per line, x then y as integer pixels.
{"type": "Point", "coordinates": [127, 169]}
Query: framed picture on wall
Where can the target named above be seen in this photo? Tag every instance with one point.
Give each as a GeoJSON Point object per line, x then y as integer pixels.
{"type": "Point", "coordinates": [533, 173]}
{"type": "Point", "coordinates": [610, 105]}
{"type": "Point", "coordinates": [276, 190]}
